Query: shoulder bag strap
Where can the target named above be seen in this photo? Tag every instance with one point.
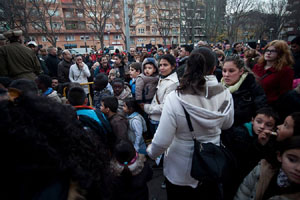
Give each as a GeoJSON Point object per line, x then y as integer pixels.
{"type": "Point", "coordinates": [265, 75]}
{"type": "Point", "coordinates": [188, 119]}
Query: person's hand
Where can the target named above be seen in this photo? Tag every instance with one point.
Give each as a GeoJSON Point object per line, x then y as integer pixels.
{"type": "Point", "coordinates": [142, 106]}
{"type": "Point", "coordinates": [264, 137]}
{"type": "Point", "coordinates": [95, 65]}
{"type": "Point", "coordinates": [80, 65]}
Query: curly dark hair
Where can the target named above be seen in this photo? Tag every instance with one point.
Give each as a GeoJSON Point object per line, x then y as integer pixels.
{"type": "Point", "coordinates": [42, 139]}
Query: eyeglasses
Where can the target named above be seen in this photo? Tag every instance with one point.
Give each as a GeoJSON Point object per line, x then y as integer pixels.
{"type": "Point", "coordinates": [270, 51]}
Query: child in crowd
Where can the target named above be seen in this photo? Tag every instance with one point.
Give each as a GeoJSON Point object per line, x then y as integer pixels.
{"type": "Point", "coordinates": [121, 92]}
{"type": "Point", "coordinates": [119, 124]}
{"type": "Point", "coordinates": [137, 125]}
{"type": "Point", "coordinates": [44, 83]}
{"type": "Point", "coordinates": [135, 70]}
{"type": "Point", "coordinates": [89, 117]}
{"type": "Point", "coordinates": [113, 73]}
{"type": "Point", "coordinates": [279, 180]}
{"type": "Point", "coordinates": [101, 89]}
{"type": "Point", "coordinates": [132, 173]}
{"type": "Point", "coordinates": [147, 81]}
{"type": "Point", "coordinates": [243, 141]}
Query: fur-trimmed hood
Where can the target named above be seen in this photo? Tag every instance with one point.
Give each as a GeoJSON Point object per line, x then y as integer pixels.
{"type": "Point", "coordinates": [134, 168]}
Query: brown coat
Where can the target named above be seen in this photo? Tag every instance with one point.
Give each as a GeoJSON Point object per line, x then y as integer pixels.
{"type": "Point", "coordinates": [18, 61]}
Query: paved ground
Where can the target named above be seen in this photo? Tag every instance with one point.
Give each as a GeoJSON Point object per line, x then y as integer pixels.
{"type": "Point", "coordinates": [155, 190]}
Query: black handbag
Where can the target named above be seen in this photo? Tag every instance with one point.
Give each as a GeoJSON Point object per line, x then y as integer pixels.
{"type": "Point", "coordinates": [212, 164]}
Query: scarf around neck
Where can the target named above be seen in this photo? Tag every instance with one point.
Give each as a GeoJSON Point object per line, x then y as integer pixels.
{"type": "Point", "coordinates": [236, 86]}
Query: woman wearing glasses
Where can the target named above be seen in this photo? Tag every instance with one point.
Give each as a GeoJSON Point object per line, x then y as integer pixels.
{"type": "Point", "coordinates": [274, 71]}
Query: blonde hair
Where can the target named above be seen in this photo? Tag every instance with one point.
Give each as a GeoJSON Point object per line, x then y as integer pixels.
{"type": "Point", "coordinates": [284, 55]}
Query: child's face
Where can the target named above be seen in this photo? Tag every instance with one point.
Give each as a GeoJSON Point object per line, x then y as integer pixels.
{"type": "Point", "coordinates": [133, 73]}
{"type": "Point", "coordinates": [126, 109]}
{"type": "Point", "coordinates": [112, 76]}
{"type": "Point", "coordinates": [118, 88]}
{"type": "Point", "coordinates": [102, 108]}
{"type": "Point", "coordinates": [286, 129]}
{"type": "Point", "coordinates": [290, 164]}
{"type": "Point", "coordinates": [149, 69]}
{"type": "Point", "coordinates": [263, 122]}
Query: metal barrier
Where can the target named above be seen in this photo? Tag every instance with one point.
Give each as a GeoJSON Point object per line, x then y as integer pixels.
{"type": "Point", "coordinates": [89, 97]}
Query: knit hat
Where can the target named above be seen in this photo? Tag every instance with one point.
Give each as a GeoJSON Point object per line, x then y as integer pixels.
{"type": "Point", "coordinates": [150, 61]}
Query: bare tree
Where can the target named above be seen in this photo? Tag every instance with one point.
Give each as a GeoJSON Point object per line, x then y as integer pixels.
{"type": "Point", "coordinates": [98, 12]}
{"type": "Point", "coordinates": [46, 19]}
{"type": "Point", "coordinates": [236, 13]}
{"type": "Point", "coordinates": [16, 14]}
{"type": "Point", "coordinates": [293, 15]}
{"type": "Point", "coordinates": [214, 18]}
{"type": "Point", "coordinates": [192, 15]}
{"type": "Point", "coordinates": [166, 17]}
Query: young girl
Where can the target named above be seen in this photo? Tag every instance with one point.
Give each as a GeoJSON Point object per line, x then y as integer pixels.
{"type": "Point", "coordinates": [131, 173]}
{"type": "Point", "coordinates": [275, 181]}
{"type": "Point", "coordinates": [137, 125]}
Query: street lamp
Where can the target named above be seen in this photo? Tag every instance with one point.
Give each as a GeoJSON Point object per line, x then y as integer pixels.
{"type": "Point", "coordinates": [271, 30]}
{"type": "Point", "coordinates": [108, 39]}
{"type": "Point", "coordinates": [246, 35]}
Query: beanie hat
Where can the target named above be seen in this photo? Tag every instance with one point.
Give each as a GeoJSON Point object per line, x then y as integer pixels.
{"type": "Point", "coordinates": [150, 61]}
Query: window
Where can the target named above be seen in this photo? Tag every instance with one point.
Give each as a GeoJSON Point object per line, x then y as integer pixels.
{"type": "Point", "coordinates": [117, 37]}
{"type": "Point", "coordinates": [56, 25]}
{"type": "Point", "coordinates": [44, 39]}
{"type": "Point", "coordinates": [53, 13]}
{"type": "Point", "coordinates": [105, 37]}
{"type": "Point", "coordinates": [140, 39]}
{"type": "Point", "coordinates": [154, 30]}
{"type": "Point", "coordinates": [141, 20]}
{"type": "Point", "coordinates": [86, 37]}
{"type": "Point", "coordinates": [70, 38]}
{"type": "Point", "coordinates": [108, 26]}
{"type": "Point", "coordinates": [81, 25]}
{"type": "Point", "coordinates": [141, 30]}
{"type": "Point", "coordinates": [140, 10]}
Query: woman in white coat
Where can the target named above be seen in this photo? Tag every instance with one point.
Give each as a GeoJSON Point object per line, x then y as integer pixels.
{"type": "Point", "coordinates": [79, 72]}
{"type": "Point", "coordinates": [168, 82]}
{"type": "Point", "coordinates": [210, 107]}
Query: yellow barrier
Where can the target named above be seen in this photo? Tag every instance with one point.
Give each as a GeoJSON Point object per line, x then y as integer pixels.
{"type": "Point", "coordinates": [90, 96]}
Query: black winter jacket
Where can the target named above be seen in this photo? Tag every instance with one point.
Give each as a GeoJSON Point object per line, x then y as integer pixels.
{"type": "Point", "coordinates": [247, 100]}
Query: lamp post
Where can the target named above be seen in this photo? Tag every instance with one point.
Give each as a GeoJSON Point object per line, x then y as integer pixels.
{"type": "Point", "coordinates": [246, 36]}
{"type": "Point", "coordinates": [271, 30]}
{"type": "Point", "coordinates": [108, 39]}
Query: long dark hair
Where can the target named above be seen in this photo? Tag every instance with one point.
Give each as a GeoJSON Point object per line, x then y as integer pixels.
{"type": "Point", "coordinates": [194, 76]}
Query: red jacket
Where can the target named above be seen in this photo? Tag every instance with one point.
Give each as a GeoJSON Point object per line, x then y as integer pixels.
{"type": "Point", "coordinates": [276, 83]}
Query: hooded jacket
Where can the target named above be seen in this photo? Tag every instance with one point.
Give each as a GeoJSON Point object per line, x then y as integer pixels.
{"type": "Point", "coordinates": [145, 86]}
{"type": "Point", "coordinates": [256, 183]}
{"type": "Point", "coordinates": [164, 87]}
{"type": "Point", "coordinates": [210, 112]}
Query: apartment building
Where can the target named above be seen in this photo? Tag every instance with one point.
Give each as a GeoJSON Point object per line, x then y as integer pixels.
{"type": "Point", "coordinates": [71, 23]}
{"type": "Point", "coordinates": [154, 22]}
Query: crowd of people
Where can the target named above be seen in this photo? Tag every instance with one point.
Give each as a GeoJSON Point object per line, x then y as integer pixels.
{"type": "Point", "coordinates": [83, 126]}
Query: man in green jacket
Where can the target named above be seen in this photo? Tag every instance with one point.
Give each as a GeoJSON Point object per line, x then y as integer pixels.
{"type": "Point", "coordinates": [18, 61]}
